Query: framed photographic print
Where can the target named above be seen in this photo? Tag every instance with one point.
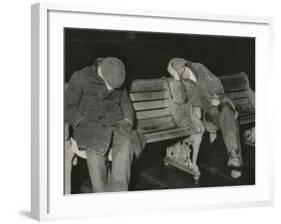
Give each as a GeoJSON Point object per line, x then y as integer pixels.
{"type": "Point", "coordinates": [138, 111]}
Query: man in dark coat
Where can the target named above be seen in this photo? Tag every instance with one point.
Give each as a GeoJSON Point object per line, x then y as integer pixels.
{"type": "Point", "coordinates": [101, 114]}
{"type": "Point", "coordinates": [194, 83]}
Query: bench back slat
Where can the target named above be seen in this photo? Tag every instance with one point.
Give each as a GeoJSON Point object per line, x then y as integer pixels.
{"type": "Point", "coordinates": [155, 124]}
{"type": "Point", "coordinates": [246, 118]}
{"type": "Point", "coordinates": [147, 96]}
{"type": "Point", "coordinates": [152, 113]}
{"type": "Point", "coordinates": [143, 123]}
{"type": "Point", "coordinates": [235, 83]}
{"type": "Point", "coordinates": [148, 85]}
{"type": "Point", "coordinates": [150, 105]}
{"type": "Point", "coordinates": [245, 108]}
{"type": "Point", "coordinates": [241, 101]}
{"type": "Point", "coordinates": [157, 127]}
{"type": "Point", "coordinates": [236, 95]}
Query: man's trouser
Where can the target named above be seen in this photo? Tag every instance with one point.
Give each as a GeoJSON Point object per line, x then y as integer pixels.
{"type": "Point", "coordinates": [118, 178]}
{"type": "Point", "coordinates": [225, 120]}
{"type": "Point", "coordinates": [230, 136]}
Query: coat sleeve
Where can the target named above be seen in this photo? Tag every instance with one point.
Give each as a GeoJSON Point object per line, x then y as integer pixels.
{"type": "Point", "coordinates": [72, 101]}
{"type": "Point", "coordinates": [127, 107]}
{"type": "Point", "coordinates": [215, 87]}
{"type": "Point", "coordinates": [214, 84]}
{"type": "Point", "coordinates": [178, 92]}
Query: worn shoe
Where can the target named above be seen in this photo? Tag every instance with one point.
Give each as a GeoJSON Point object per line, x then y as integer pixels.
{"type": "Point", "coordinates": [236, 174]}
{"type": "Point", "coordinates": [233, 159]}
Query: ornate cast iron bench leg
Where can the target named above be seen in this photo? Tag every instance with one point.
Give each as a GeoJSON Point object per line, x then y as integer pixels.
{"type": "Point", "coordinates": [183, 155]}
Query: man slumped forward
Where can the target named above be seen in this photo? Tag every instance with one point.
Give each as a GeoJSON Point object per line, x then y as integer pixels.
{"type": "Point", "coordinates": [101, 114]}
{"type": "Point", "coordinates": [194, 83]}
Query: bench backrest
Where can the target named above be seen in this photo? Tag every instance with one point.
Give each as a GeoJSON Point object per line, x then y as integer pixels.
{"type": "Point", "coordinates": [150, 99]}
{"type": "Point", "coordinates": [237, 87]}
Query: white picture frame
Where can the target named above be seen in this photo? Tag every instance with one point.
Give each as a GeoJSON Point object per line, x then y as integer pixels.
{"type": "Point", "coordinates": [48, 201]}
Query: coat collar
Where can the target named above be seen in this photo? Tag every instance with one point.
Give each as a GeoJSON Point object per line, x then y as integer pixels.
{"type": "Point", "coordinates": [97, 80]}
{"type": "Point", "coordinates": [93, 75]}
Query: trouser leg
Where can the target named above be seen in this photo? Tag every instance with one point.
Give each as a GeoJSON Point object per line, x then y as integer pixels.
{"type": "Point", "coordinates": [68, 156]}
{"type": "Point", "coordinates": [97, 170]}
{"type": "Point", "coordinates": [122, 156]}
{"type": "Point", "coordinates": [229, 132]}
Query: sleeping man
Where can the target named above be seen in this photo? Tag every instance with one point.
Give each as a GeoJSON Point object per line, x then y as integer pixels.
{"type": "Point", "coordinates": [194, 83]}
{"type": "Point", "coordinates": [100, 112]}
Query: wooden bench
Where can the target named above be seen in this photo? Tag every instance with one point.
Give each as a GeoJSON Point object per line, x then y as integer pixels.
{"type": "Point", "coordinates": [151, 102]}
{"type": "Point", "coordinates": [154, 121]}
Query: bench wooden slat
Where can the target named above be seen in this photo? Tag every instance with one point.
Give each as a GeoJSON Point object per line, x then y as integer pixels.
{"type": "Point", "coordinates": [247, 113]}
{"type": "Point", "coordinates": [235, 82]}
{"type": "Point", "coordinates": [168, 134]}
{"type": "Point", "coordinates": [146, 96]}
{"type": "Point", "coordinates": [147, 85]}
{"type": "Point", "coordinates": [152, 113]}
{"type": "Point", "coordinates": [240, 101]}
{"type": "Point", "coordinates": [157, 128]}
{"type": "Point", "coordinates": [245, 108]}
{"type": "Point", "coordinates": [235, 95]}
{"type": "Point", "coordinates": [249, 118]}
{"type": "Point", "coordinates": [149, 105]}
{"type": "Point", "coordinates": [154, 121]}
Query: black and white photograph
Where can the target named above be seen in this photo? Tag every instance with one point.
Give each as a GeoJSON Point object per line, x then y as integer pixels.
{"type": "Point", "coordinates": [157, 111]}
{"type": "Point", "coordinates": [139, 112]}
{"type": "Point", "coordinates": [145, 111]}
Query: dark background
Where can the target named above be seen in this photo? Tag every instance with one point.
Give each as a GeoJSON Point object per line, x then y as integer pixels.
{"type": "Point", "coordinates": [146, 55]}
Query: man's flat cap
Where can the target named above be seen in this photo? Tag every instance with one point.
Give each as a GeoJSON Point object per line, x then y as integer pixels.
{"type": "Point", "coordinates": [113, 71]}
{"type": "Point", "coordinates": [178, 64]}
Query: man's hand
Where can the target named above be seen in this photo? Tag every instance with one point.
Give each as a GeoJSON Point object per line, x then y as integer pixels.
{"type": "Point", "coordinates": [197, 112]}
{"type": "Point", "coordinates": [216, 100]}
{"type": "Point", "coordinates": [125, 126]}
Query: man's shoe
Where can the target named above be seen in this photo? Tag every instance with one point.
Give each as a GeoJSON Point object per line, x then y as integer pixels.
{"type": "Point", "coordinates": [236, 174]}
{"type": "Point", "coordinates": [233, 159]}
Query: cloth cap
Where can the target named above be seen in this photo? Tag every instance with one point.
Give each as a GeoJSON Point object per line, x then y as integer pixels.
{"type": "Point", "coordinates": [178, 64]}
{"type": "Point", "coordinates": [113, 71]}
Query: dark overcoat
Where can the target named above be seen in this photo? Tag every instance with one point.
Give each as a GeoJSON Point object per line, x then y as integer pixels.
{"type": "Point", "coordinates": [92, 109]}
